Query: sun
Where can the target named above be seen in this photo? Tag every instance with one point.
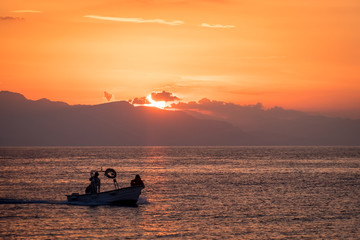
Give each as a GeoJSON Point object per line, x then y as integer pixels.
{"type": "Point", "coordinates": [153, 103]}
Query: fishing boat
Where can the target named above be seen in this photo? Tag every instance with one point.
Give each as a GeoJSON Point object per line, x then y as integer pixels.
{"type": "Point", "coordinates": [118, 196]}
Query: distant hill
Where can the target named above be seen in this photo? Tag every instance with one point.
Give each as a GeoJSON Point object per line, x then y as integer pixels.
{"type": "Point", "coordinates": [277, 126]}
{"type": "Point", "coordinates": [25, 122]}
{"type": "Point", "coordinates": [30, 123]}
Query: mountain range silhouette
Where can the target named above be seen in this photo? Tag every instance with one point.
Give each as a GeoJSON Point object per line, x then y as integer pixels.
{"type": "Point", "coordinates": [43, 122]}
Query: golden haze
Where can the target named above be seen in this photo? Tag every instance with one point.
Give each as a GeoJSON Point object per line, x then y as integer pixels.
{"type": "Point", "coordinates": [296, 54]}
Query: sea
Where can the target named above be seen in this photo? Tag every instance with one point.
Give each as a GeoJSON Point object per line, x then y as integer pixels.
{"type": "Point", "coordinates": [190, 193]}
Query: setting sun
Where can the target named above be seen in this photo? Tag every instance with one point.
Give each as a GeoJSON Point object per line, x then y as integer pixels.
{"type": "Point", "coordinates": [153, 103]}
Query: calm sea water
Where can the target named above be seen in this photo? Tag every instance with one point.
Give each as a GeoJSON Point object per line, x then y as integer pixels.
{"type": "Point", "coordinates": [191, 193]}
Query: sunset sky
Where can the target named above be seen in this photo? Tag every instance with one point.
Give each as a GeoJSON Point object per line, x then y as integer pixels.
{"type": "Point", "coordinates": [302, 55]}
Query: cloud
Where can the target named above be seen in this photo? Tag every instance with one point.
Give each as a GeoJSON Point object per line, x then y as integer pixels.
{"type": "Point", "coordinates": [216, 25]}
{"type": "Point", "coordinates": [108, 96]}
{"type": "Point", "coordinates": [207, 78]}
{"type": "Point", "coordinates": [140, 101]}
{"type": "Point", "coordinates": [8, 18]}
{"type": "Point", "coordinates": [136, 20]}
{"type": "Point", "coordinates": [164, 96]}
{"type": "Point", "coordinates": [248, 117]}
{"type": "Point", "coordinates": [215, 106]}
{"type": "Point", "coordinates": [26, 11]}
{"type": "Point", "coordinates": [263, 57]}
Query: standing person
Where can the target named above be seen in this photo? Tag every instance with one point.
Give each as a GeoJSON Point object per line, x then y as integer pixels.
{"type": "Point", "coordinates": [137, 181]}
{"type": "Point", "coordinates": [95, 182]}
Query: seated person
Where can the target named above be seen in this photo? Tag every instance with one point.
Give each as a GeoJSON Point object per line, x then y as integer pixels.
{"type": "Point", "coordinates": [137, 181]}
{"type": "Point", "coordinates": [94, 186]}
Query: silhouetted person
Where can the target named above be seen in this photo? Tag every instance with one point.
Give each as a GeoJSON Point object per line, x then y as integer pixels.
{"type": "Point", "coordinates": [137, 181]}
{"type": "Point", "coordinates": [94, 186]}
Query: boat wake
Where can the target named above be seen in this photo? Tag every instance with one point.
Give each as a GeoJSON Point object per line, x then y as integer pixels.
{"type": "Point", "coordinates": [25, 201]}
{"type": "Point", "coordinates": [142, 201]}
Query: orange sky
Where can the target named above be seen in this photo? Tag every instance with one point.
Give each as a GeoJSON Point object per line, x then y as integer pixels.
{"type": "Point", "coordinates": [296, 54]}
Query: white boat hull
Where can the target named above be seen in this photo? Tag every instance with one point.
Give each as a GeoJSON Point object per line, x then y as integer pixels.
{"type": "Point", "coordinates": [122, 196]}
